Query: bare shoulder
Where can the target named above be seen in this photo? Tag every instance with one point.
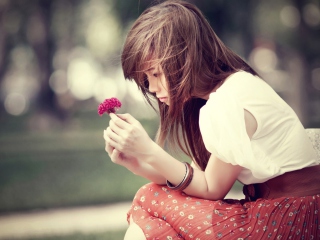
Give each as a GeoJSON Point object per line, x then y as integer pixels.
{"type": "Point", "coordinates": [195, 165]}
{"type": "Point", "coordinates": [251, 123]}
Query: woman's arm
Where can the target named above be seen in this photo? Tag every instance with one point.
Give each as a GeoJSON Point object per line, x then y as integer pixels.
{"type": "Point", "coordinates": [217, 179]}
{"type": "Point", "coordinates": [126, 135]}
{"type": "Point", "coordinates": [214, 183]}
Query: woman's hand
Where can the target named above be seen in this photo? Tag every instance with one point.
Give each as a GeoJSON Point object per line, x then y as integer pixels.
{"type": "Point", "coordinates": [127, 136]}
{"type": "Point", "coordinates": [118, 157]}
{"type": "Point", "coordinates": [133, 164]}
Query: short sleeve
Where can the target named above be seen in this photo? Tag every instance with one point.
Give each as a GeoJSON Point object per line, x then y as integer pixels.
{"type": "Point", "coordinates": [223, 130]}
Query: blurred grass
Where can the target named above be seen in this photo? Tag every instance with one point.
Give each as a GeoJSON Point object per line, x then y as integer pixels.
{"type": "Point", "coordinates": [61, 167]}
{"type": "Point", "coordinates": [112, 235]}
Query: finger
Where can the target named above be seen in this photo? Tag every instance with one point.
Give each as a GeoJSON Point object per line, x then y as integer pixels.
{"type": "Point", "coordinates": [109, 133]}
{"type": "Point", "coordinates": [106, 138]}
{"type": "Point", "coordinates": [118, 121]}
{"type": "Point", "coordinates": [116, 156]}
{"type": "Point", "coordinates": [127, 119]}
{"type": "Point", "coordinates": [105, 134]}
{"type": "Point", "coordinates": [108, 149]}
{"type": "Point", "coordinates": [115, 127]}
{"type": "Point", "coordinates": [109, 140]}
{"type": "Point", "coordinates": [115, 153]}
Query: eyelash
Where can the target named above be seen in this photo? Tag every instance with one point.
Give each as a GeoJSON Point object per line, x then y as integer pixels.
{"type": "Point", "coordinates": [146, 80]}
{"type": "Point", "coordinates": [156, 75]}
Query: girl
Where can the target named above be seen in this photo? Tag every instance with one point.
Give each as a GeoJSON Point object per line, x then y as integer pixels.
{"type": "Point", "coordinates": [233, 126]}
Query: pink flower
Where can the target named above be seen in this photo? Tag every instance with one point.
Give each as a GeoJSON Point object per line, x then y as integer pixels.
{"type": "Point", "coordinates": [110, 105]}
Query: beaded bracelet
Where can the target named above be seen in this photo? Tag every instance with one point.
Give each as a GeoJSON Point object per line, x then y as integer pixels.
{"type": "Point", "coordinates": [185, 181]}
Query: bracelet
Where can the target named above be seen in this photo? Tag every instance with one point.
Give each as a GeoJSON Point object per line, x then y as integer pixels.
{"type": "Point", "coordinates": [171, 186]}
{"type": "Point", "coordinates": [189, 179]}
{"type": "Point", "coordinates": [185, 181]}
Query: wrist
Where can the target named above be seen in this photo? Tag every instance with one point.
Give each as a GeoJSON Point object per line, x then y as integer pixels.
{"type": "Point", "coordinates": [154, 150]}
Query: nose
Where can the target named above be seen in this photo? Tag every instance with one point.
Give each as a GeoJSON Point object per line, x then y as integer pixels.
{"type": "Point", "coordinates": [153, 86]}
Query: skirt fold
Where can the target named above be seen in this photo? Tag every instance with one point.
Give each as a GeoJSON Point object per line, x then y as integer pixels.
{"type": "Point", "coordinates": [165, 214]}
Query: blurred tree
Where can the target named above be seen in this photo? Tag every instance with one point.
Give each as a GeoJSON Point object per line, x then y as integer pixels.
{"type": "Point", "coordinates": [306, 42]}
{"type": "Point", "coordinates": [28, 23]}
{"type": "Point", "coordinates": [51, 30]}
{"type": "Point", "coordinates": [40, 39]}
{"type": "Point", "coordinates": [4, 44]}
{"type": "Point", "coordinates": [231, 20]}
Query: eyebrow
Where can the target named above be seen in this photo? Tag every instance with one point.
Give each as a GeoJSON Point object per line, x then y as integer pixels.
{"type": "Point", "coordinates": [150, 69]}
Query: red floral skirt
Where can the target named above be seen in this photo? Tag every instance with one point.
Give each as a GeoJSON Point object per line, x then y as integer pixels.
{"type": "Point", "coordinates": [165, 214]}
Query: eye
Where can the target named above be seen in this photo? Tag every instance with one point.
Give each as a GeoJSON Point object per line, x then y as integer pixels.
{"type": "Point", "coordinates": [156, 75]}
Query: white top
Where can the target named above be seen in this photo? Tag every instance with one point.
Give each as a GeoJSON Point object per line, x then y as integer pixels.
{"type": "Point", "coordinates": [280, 143]}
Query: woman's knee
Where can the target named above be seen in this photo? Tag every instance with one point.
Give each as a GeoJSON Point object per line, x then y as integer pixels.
{"type": "Point", "coordinates": [146, 190]}
{"type": "Point", "coordinates": [134, 231]}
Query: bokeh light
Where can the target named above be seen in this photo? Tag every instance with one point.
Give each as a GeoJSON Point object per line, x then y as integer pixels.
{"type": "Point", "coordinates": [311, 14]}
{"type": "Point", "coordinates": [102, 30]}
{"type": "Point", "coordinates": [264, 59]}
{"type": "Point", "coordinates": [16, 104]}
{"type": "Point", "coordinates": [82, 75]}
{"type": "Point", "coordinates": [20, 84]}
{"type": "Point", "coordinates": [105, 88]}
{"type": "Point", "coordinates": [58, 82]}
{"type": "Point", "coordinates": [290, 16]}
{"type": "Point", "coordinates": [134, 92]}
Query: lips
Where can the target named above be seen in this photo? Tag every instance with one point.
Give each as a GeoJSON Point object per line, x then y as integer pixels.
{"type": "Point", "coordinates": [162, 99]}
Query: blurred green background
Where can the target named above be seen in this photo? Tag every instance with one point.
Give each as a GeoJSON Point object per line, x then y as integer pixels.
{"type": "Point", "coordinates": [59, 59]}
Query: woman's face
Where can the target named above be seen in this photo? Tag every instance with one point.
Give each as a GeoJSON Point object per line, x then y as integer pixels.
{"type": "Point", "coordinates": [158, 83]}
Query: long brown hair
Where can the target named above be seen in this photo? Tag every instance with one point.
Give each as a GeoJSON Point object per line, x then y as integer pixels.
{"type": "Point", "coordinates": [176, 35]}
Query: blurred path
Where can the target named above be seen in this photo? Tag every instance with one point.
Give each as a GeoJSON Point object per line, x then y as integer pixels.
{"type": "Point", "coordinates": [64, 221]}
{"type": "Point", "coordinates": [68, 221]}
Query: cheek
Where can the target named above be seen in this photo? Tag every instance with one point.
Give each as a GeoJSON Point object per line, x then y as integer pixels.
{"type": "Point", "coordinates": [164, 84]}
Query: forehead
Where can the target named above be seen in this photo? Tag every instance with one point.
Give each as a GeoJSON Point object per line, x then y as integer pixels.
{"type": "Point", "coordinates": [151, 65]}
